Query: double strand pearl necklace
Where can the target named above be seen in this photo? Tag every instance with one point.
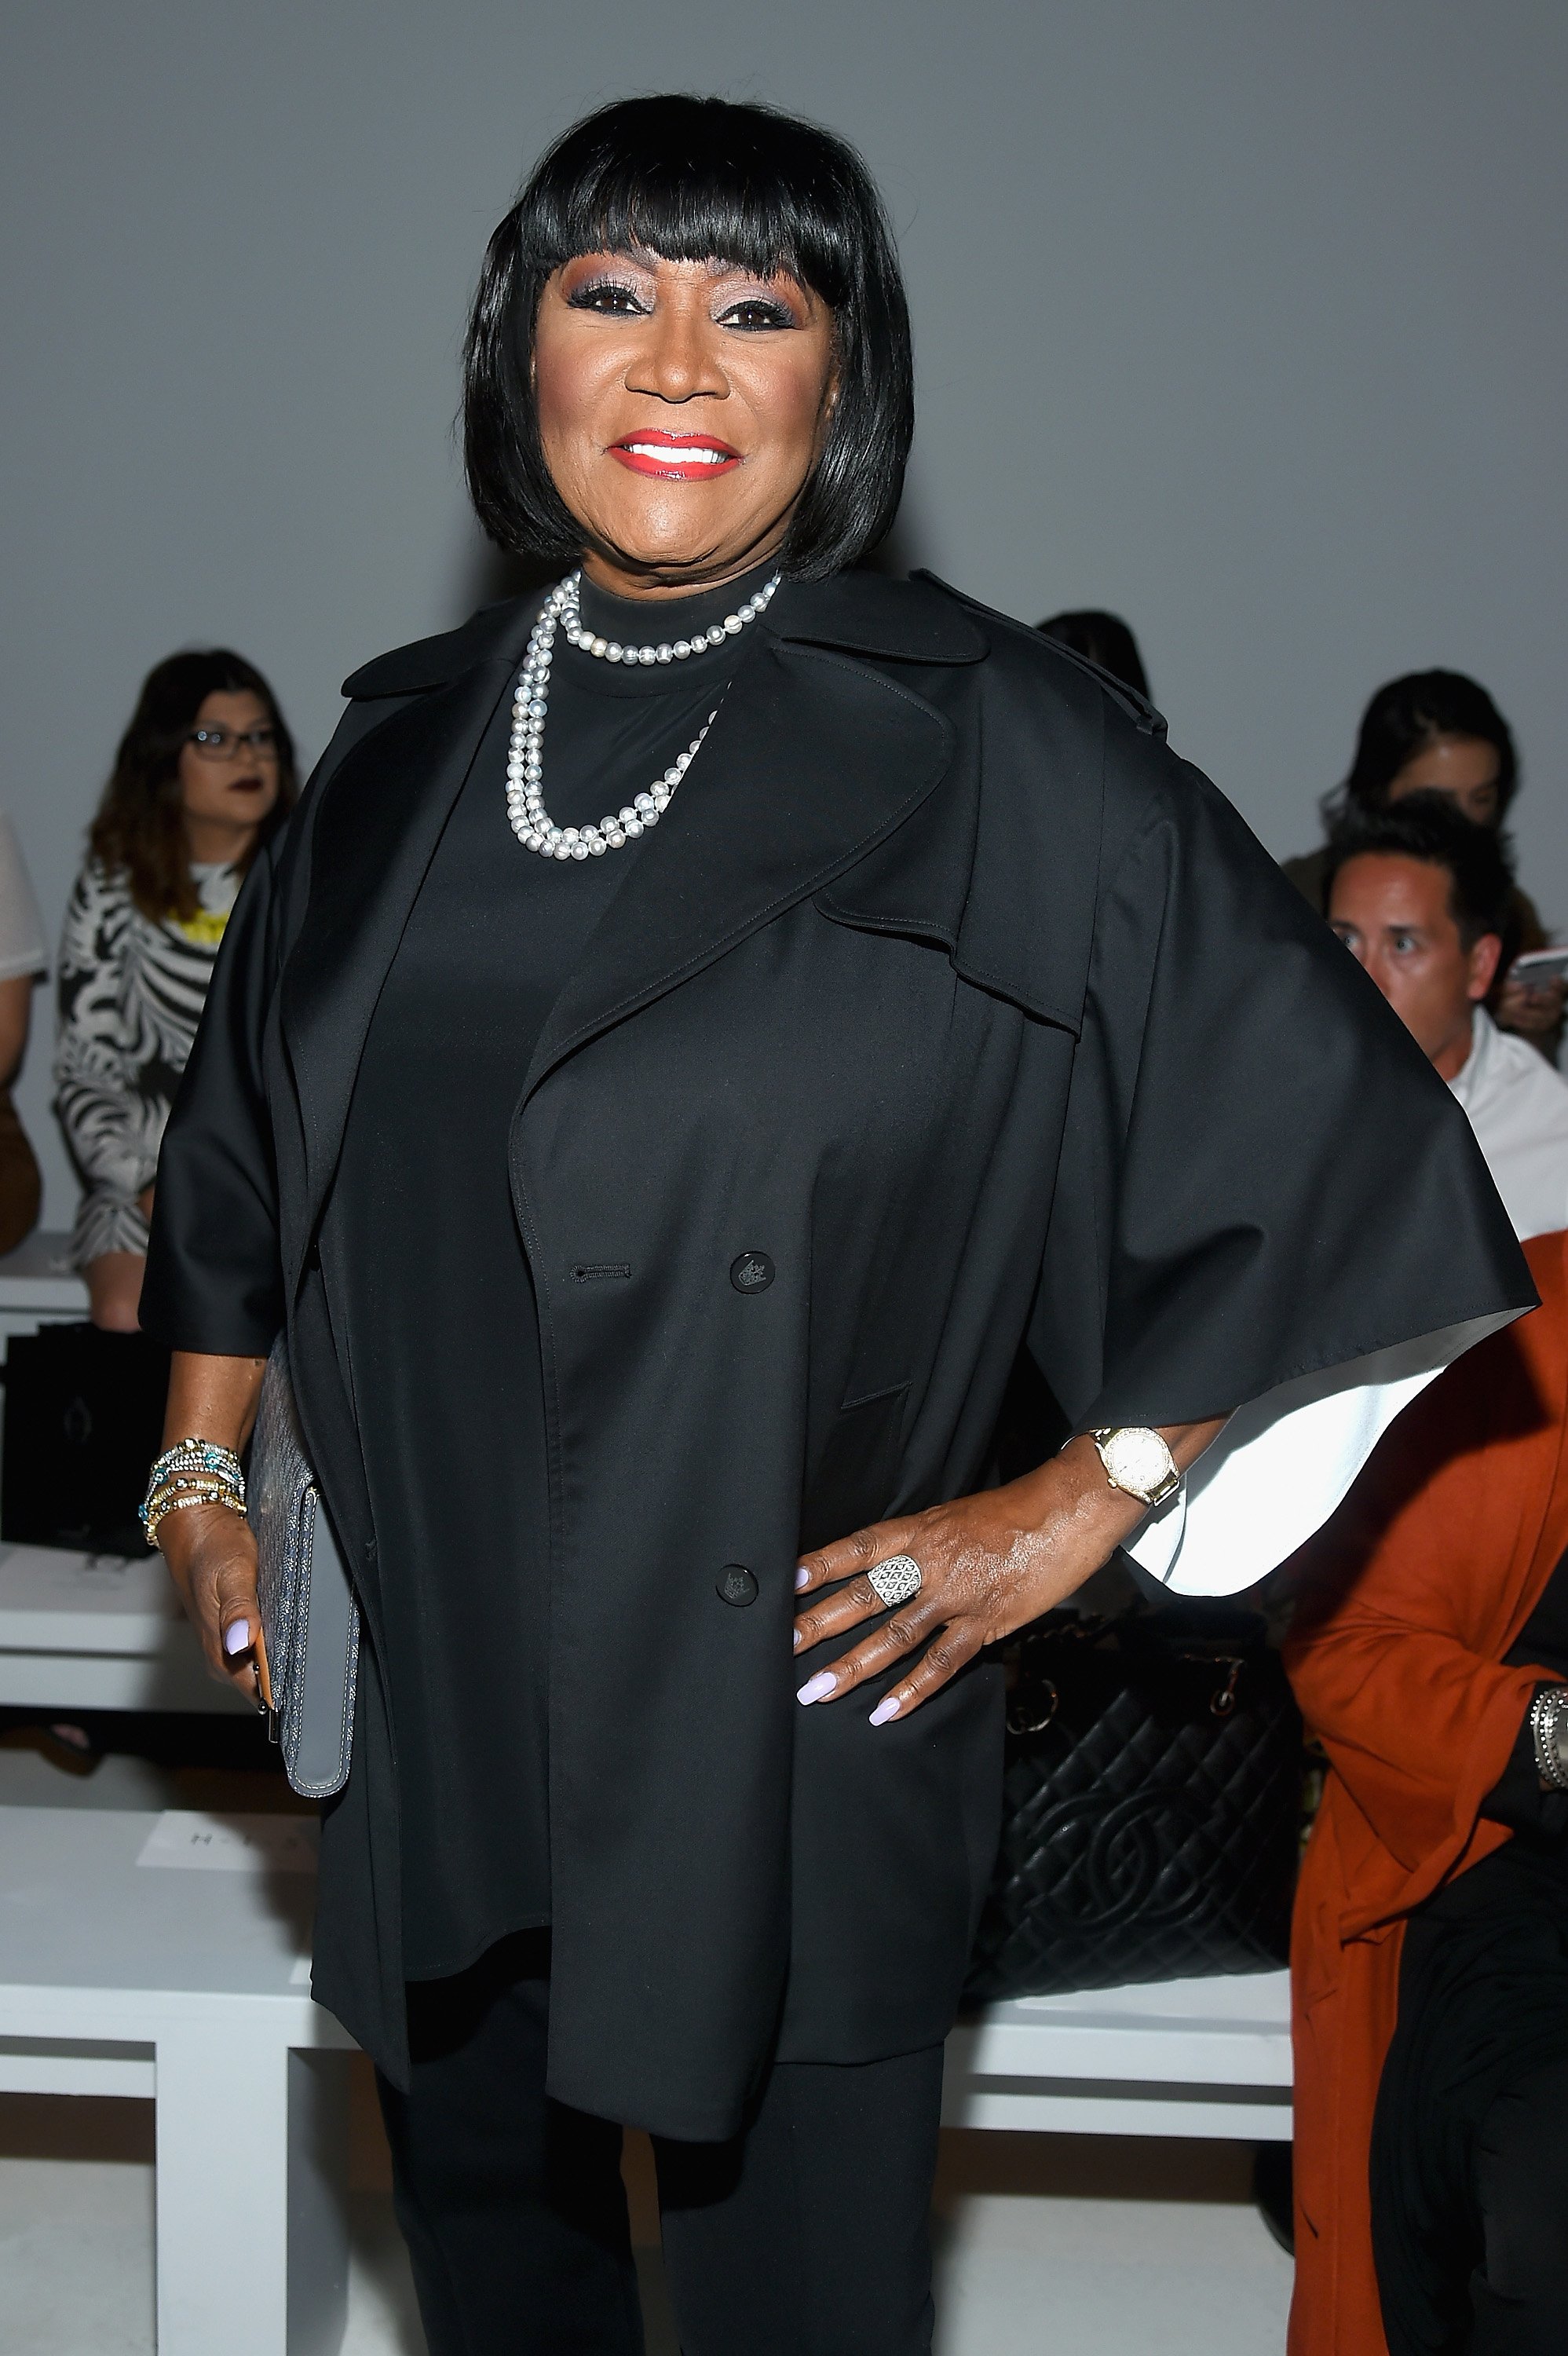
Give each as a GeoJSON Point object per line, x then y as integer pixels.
{"type": "Point", "coordinates": [531, 821]}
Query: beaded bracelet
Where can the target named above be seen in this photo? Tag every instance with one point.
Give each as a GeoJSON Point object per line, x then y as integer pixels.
{"type": "Point", "coordinates": [200, 1484]}
{"type": "Point", "coordinates": [193, 1455]}
{"type": "Point", "coordinates": [176, 1504]}
{"type": "Point", "coordinates": [1547, 1713]}
{"type": "Point", "coordinates": [174, 1481]}
{"type": "Point", "coordinates": [209, 1483]}
{"type": "Point", "coordinates": [192, 1472]}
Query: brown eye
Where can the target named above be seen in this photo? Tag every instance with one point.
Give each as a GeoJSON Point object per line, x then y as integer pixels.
{"type": "Point", "coordinates": [756, 311]}
{"type": "Point", "coordinates": [608, 295]}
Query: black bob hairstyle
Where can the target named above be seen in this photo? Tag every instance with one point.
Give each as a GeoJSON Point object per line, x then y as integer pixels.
{"type": "Point", "coordinates": [1404, 718]}
{"type": "Point", "coordinates": [1431, 827]}
{"type": "Point", "coordinates": [698, 179]}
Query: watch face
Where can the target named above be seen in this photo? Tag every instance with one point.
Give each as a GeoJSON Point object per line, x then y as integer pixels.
{"type": "Point", "coordinates": [1138, 1461]}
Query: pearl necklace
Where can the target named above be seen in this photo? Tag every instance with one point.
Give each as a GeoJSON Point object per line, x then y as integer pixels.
{"type": "Point", "coordinates": [531, 821]}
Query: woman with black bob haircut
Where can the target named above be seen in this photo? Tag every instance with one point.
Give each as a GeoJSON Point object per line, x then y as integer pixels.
{"type": "Point", "coordinates": [686, 179]}
{"type": "Point", "coordinates": [708, 1023]}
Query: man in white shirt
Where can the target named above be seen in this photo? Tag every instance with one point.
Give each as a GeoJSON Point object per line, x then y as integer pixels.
{"type": "Point", "coordinates": [1420, 896]}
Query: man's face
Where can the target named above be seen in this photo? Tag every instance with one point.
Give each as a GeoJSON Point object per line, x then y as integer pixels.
{"type": "Point", "coordinates": [1393, 916]}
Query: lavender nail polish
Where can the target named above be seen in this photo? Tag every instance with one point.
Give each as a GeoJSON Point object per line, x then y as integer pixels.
{"type": "Point", "coordinates": [802, 1578]}
{"type": "Point", "coordinates": [818, 1688]}
{"type": "Point", "coordinates": [887, 1707]}
{"type": "Point", "coordinates": [237, 1636]}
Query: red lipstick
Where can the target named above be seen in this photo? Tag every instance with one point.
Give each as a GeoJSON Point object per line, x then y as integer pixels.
{"type": "Point", "coordinates": [676, 457]}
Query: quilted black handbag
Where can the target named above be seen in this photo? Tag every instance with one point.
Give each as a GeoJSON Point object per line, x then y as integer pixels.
{"type": "Point", "coordinates": [1153, 1805]}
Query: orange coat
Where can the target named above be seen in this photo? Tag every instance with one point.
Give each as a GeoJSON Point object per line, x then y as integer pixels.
{"type": "Point", "coordinates": [1411, 1597]}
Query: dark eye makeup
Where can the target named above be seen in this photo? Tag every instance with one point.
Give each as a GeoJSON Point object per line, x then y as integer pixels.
{"type": "Point", "coordinates": [755, 311]}
{"type": "Point", "coordinates": [619, 298]}
{"type": "Point", "coordinates": [612, 296]}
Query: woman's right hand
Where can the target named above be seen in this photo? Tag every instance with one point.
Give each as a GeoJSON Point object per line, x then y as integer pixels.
{"type": "Point", "coordinates": [1532, 1009]}
{"type": "Point", "coordinates": [210, 1550]}
{"type": "Point", "coordinates": [211, 1556]}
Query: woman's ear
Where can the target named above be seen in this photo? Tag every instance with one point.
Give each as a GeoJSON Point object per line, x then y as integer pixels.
{"type": "Point", "coordinates": [829, 403]}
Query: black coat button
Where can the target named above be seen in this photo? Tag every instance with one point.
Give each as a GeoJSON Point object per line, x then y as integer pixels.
{"type": "Point", "coordinates": [736, 1584]}
{"type": "Point", "coordinates": [752, 1272]}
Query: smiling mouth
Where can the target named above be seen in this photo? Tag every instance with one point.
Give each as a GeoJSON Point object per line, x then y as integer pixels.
{"type": "Point", "coordinates": [676, 457]}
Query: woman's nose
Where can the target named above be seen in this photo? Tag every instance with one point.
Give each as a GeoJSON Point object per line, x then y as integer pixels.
{"type": "Point", "coordinates": [677, 361]}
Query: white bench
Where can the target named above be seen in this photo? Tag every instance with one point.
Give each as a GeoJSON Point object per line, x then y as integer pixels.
{"type": "Point", "coordinates": [190, 1986]}
{"type": "Point", "coordinates": [1207, 2057]}
{"type": "Point", "coordinates": [93, 1631]}
{"type": "Point", "coordinates": [76, 1631]}
{"type": "Point", "coordinates": [38, 1285]}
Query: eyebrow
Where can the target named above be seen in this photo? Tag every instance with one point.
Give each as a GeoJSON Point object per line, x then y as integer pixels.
{"type": "Point", "coordinates": [642, 257]}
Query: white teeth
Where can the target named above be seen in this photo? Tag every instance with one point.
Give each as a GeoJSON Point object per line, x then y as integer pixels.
{"type": "Point", "coordinates": [678, 453]}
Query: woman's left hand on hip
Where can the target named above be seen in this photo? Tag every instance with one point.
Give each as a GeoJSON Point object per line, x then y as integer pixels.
{"type": "Point", "coordinates": [989, 1564]}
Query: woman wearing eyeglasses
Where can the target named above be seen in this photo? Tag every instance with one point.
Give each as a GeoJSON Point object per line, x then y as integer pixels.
{"type": "Point", "coordinates": [204, 775]}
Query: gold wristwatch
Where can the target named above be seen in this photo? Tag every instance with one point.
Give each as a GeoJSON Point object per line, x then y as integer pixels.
{"type": "Point", "coordinates": [1138, 1461]}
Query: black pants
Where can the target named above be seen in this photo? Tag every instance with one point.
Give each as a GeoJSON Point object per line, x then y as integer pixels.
{"type": "Point", "coordinates": [805, 2236]}
{"type": "Point", "coordinates": [1469, 2178]}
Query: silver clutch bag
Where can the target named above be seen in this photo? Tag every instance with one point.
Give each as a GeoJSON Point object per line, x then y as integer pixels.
{"type": "Point", "coordinates": [309, 1617]}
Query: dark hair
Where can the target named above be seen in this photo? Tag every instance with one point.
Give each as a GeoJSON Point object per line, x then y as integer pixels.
{"type": "Point", "coordinates": [1405, 717]}
{"type": "Point", "coordinates": [139, 830]}
{"type": "Point", "coordinates": [1106, 639]}
{"type": "Point", "coordinates": [698, 179]}
{"type": "Point", "coordinates": [1432, 827]}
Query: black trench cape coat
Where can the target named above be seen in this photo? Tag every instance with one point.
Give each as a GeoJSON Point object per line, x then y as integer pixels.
{"type": "Point", "coordinates": [948, 988]}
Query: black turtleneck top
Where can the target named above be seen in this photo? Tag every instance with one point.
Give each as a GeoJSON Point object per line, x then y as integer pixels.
{"type": "Point", "coordinates": [443, 1336]}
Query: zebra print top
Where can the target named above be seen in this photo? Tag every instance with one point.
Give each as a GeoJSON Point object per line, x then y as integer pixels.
{"type": "Point", "coordinates": [130, 994]}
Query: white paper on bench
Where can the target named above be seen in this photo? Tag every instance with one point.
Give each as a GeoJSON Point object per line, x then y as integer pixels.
{"type": "Point", "coordinates": [231, 1844]}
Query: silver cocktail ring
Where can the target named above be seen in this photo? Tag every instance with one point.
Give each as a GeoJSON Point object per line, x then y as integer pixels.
{"type": "Point", "coordinates": [896, 1580]}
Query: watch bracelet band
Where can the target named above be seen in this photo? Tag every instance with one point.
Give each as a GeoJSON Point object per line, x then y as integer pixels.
{"type": "Point", "coordinates": [1549, 1735]}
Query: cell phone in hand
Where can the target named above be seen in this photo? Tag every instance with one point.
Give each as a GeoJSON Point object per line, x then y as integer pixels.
{"type": "Point", "coordinates": [1537, 967]}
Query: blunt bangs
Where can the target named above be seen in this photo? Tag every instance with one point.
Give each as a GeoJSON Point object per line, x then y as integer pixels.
{"type": "Point", "coordinates": [698, 179]}
{"type": "Point", "coordinates": [717, 200]}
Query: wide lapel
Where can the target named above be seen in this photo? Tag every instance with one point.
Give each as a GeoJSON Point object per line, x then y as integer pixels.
{"type": "Point", "coordinates": [373, 838]}
{"type": "Point", "coordinates": [812, 759]}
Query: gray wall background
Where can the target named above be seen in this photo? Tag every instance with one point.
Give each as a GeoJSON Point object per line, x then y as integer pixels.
{"type": "Point", "coordinates": [1244, 319]}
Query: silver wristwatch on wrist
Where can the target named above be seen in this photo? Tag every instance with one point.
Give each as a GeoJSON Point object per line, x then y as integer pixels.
{"type": "Point", "coordinates": [1138, 1461]}
{"type": "Point", "coordinates": [1549, 1734]}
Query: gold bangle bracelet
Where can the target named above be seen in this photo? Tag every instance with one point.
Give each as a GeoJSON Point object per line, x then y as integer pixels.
{"type": "Point", "coordinates": [173, 1482]}
{"type": "Point", "coordinates": [169, 1493]}
{"type": "Point", "coordinates": [157, 1514]}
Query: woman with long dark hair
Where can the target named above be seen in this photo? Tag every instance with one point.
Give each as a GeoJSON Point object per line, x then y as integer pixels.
{"type": "Point", "coordinates": [203, 778]}
{"type": "Point", "coordinates": [1438, 732]}
{"type": "Point", "coordinates": [707, 1021]}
